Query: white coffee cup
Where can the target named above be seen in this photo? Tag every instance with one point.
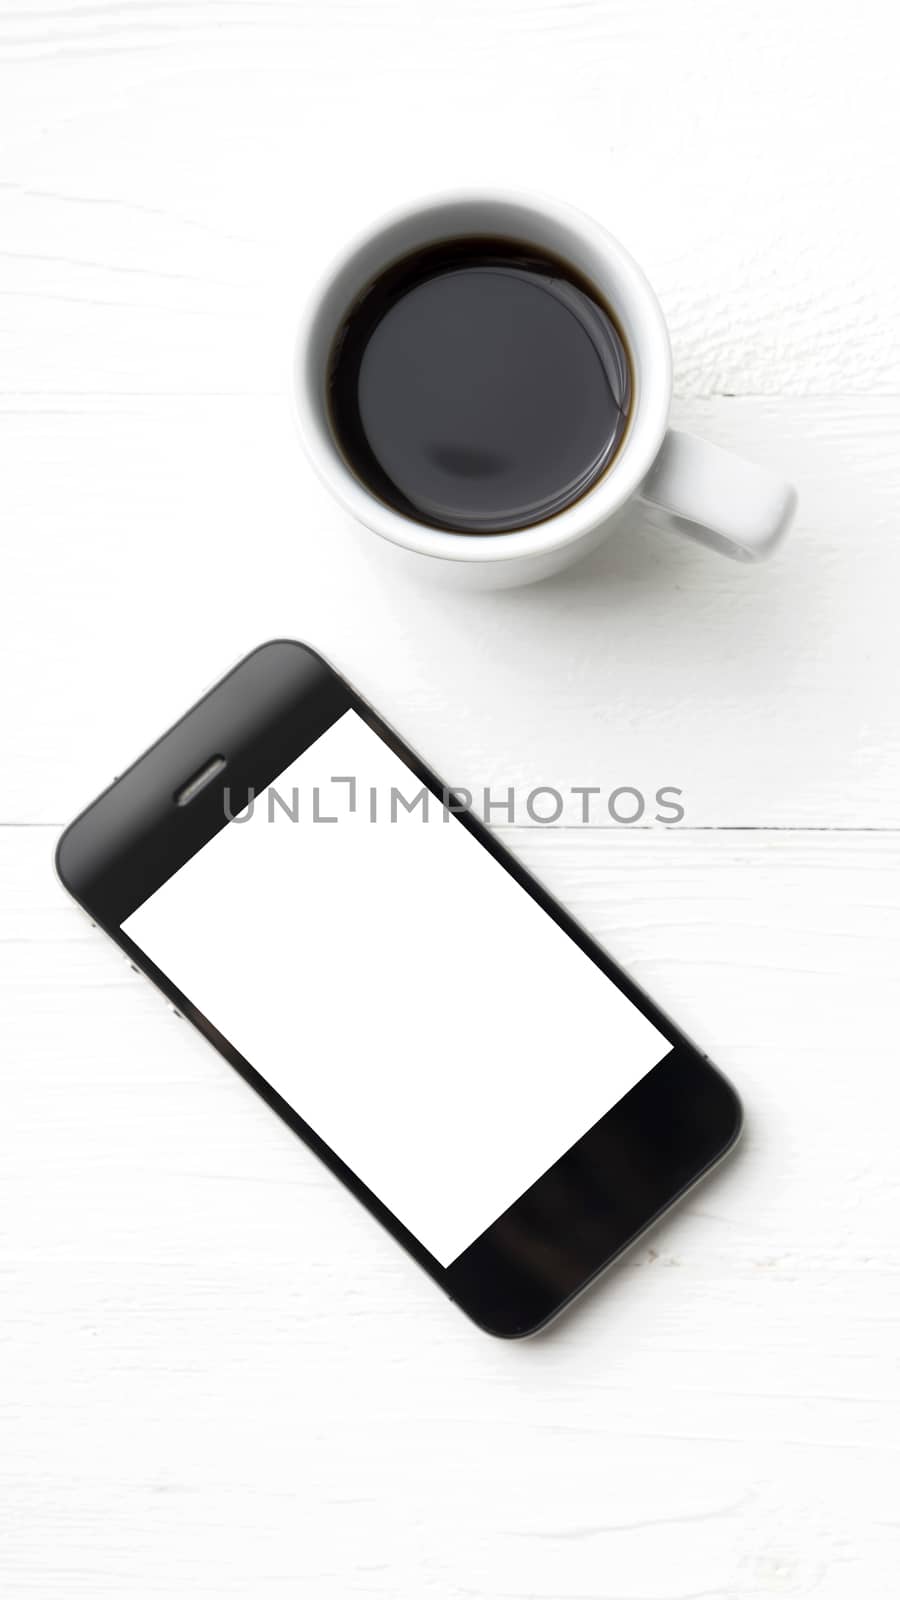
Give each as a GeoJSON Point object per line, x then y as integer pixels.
{"type": "Point", "coordinates": [735, 507]}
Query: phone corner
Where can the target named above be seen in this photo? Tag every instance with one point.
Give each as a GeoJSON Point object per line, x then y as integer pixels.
{"type": "Point", "coordinates": [280, 643]}
{"type": "Point", "coordinates": [61, 849]}
{"type": "Point", "coordinates": [513, 1331]}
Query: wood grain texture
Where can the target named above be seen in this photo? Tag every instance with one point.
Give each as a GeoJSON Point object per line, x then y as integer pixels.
{"type": "Point", "coordinates": [216, 1376]}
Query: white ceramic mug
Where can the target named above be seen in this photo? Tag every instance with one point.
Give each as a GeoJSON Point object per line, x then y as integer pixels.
{"type": "Point", "coordinates": [735, 507]}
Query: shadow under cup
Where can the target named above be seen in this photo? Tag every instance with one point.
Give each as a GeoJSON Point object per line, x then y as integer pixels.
{"type": "Point", "coordinates": [479, 384]}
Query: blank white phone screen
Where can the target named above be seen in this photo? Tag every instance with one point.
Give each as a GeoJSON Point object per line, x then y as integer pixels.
{"type": "Point", "coordinates": [397, 988]}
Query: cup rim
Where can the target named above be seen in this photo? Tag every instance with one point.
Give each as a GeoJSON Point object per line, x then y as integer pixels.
{"type": "Point", "coordinates": [635, 304]}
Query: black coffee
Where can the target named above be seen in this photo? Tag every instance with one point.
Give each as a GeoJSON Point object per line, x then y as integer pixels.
{"type": "Point", "coordinates": [479, 385]}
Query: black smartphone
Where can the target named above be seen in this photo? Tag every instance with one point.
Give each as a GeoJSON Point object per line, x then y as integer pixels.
{"type": "Point", "coordinates": [422, 1013]}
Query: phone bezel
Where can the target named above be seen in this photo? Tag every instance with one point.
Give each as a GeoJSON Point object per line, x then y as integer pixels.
{"type": "Point", "coordinates": [629, 1168]}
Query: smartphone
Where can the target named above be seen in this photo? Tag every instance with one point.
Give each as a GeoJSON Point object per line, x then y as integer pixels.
{"type": "Point", "coordinates": [388, 977]}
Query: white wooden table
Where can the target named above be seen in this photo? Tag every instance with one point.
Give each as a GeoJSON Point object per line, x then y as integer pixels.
{"type": "Point", "coordinates": [217, 1376]}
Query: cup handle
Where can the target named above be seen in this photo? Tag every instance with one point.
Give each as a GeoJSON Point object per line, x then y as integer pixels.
{"type": "Point", "coordinates": [735, 507]}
